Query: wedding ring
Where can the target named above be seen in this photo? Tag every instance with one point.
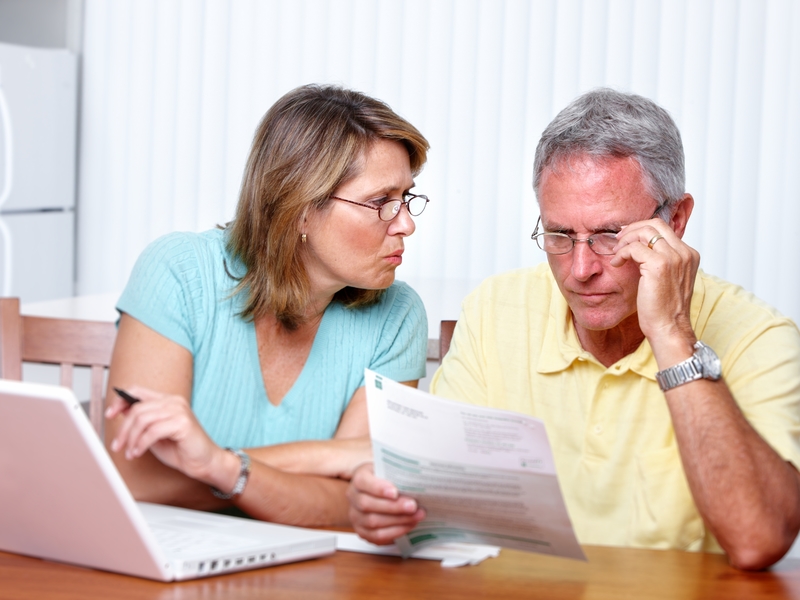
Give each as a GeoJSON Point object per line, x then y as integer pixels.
{"type": "Point", "coordinates": [653, 240]}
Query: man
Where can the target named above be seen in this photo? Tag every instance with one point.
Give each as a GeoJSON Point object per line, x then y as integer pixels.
{"type": "Point", "coordinates": [671, 398]}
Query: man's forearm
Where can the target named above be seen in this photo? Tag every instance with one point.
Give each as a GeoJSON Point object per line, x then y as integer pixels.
{"type": "Point", "coordinates": [748, 496]}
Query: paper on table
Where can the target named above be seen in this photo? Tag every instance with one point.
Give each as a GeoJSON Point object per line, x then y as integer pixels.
{"type": "Point", "coordinates": [451, 555]}
{"type": "Point", "coordinates": [483, 475]}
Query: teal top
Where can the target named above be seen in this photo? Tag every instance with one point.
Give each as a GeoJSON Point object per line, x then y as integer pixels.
{"type": "Point", "coordinates": [180, 288]}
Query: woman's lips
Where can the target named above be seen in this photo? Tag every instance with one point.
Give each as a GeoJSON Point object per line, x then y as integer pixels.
{"type": "Point", "coordinates": [395, 258]}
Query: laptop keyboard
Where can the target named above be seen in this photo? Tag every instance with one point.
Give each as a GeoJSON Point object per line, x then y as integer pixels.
{"type": "Point", "coordinates": [179, 541]}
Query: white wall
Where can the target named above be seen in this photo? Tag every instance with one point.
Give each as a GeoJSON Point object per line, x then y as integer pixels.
{"type": "Point", "coordinates": [173, 91]}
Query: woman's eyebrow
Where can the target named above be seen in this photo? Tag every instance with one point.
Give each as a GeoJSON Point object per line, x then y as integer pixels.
{"type": "Point", "coordinates": [387, 189]}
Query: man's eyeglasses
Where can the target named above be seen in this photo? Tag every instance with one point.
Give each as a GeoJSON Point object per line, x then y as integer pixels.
{"type": "Point", "coordinates": [560, 243]}
{"type": "Point", "coordinates": [387, 211]}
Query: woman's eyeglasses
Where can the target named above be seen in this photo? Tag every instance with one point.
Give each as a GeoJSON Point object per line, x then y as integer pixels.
{"type": "Point", "coordinates": [387, 211]}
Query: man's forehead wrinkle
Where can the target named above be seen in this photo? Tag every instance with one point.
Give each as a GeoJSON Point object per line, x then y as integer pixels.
{"type": "Point", "coordinates": [616, 198]}
{"type": "Point", "coordinates": [575, 162]}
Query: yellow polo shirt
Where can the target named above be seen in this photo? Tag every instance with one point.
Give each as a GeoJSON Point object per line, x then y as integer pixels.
{"type": "Point", "coordinates": [515, 347]}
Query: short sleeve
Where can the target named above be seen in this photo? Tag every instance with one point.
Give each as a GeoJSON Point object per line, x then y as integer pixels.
{"type": "Point", "coordinates": [164, 291]}
{"type": "Point", "coordinates": [763, 374]}
{"type": "Point", "coordinates": [759, 349]}
{"type": "Point", "coordinates": [401, 351]}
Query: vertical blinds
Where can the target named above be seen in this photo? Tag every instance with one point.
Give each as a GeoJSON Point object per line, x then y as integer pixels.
{"type": "Point", "coordinates": [173, 90]}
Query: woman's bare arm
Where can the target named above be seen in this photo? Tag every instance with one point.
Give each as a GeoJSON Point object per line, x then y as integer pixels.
{"type": "Point", "coordinates": [164, 455]}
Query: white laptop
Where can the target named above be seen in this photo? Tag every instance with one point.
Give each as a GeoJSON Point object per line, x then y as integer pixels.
{"type": "Point", "coordinates": [62, 498]}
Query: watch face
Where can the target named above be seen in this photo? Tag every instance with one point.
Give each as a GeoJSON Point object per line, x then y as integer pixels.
{"type": "Point", "coordinates": [712, 368]}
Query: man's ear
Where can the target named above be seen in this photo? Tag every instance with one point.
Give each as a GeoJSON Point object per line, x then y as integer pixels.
{"type": "Point", "coordinates": [680, 215]}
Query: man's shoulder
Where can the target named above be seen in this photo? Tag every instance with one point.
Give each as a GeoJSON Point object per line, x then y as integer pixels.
{"type": "Point", "coordinates": [513, 295]}
{"type": "Point", "coordinates": [721, 299]}
{"type": "Point", "coordinates": [535, 279]}
{"type": "Point", "coordinates": [732, 320]}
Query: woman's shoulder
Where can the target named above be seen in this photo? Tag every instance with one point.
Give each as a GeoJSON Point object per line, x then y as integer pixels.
{"type": "Point", "coordinates": [180, 242]}
{"type": "Point", "coordinates": [398, 303]}
{"type": "Point", "coordinates": [183, 251]}
{"type": "Point", "coordinates": [175, 283]}
{"type": "Point", "coordinates": [401, 293]}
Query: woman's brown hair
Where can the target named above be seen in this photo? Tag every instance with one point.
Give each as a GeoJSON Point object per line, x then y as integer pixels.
{"type": "Point", "coordinates": [308, 144]}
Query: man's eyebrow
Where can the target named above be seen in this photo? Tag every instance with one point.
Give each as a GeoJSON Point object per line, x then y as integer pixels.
{"type": "Point", "coordinates": [614, 226]}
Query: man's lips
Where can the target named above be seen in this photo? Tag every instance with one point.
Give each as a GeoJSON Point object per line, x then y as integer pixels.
{"type": "Point", "coordinates": [591, 296]}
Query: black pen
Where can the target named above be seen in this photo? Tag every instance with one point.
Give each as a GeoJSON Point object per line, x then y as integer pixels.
{"type": "Point", "coordinates": [131, 400]}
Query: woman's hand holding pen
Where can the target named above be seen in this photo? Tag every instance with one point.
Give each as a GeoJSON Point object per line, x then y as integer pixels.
{"type": "Point", "coordinates": [165, 425]}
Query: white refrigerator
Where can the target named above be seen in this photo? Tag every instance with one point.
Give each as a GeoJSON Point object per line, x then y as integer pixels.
{"type": "Point", "coordinates": [38, 125]}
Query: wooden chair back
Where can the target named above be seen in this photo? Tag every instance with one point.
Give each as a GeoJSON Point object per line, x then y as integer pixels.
{"type": "Point", "coordinates": [68, 343]}
{"type": "Point", "coordinates": [445, 334]}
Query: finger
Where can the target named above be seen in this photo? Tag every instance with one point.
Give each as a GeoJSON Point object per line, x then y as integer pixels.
{"type": "Point", "coordinates": [638, 243]}
{"type": "Point", "coordinates": [644, 231]}
{"type": "Point", "coordinates": [121, 400]}
{"type": "Point", "coordinates": [365, 481]}
{"type": "Point", "coordinates": [134, 423]}
{"type": "Point", "coordinates": [383, 528]}
{"type": "Point", "coordinates": [386, 535]}
{"type": "Point", "coordinates": [139, 418]}
{"type": "Point", "coordinates": [115, 405]}
{"type": "Point", "coordinates": [654, 240]}
{"type": "Point", "coordinates": [152, 432]}
{"type": "Point", "coordinates": [120, 440]}
{"type": "Point", "coordinates": [170, 420]}
{"type": "Point", "coordinates": [368, 504]}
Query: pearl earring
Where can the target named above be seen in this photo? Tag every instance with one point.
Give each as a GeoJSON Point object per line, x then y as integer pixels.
{"type": "Point", "coordinates": [303, 238]}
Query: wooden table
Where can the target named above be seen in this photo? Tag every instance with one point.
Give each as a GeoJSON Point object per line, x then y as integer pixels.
{"type": "Point", "coordinates": [610, 574]}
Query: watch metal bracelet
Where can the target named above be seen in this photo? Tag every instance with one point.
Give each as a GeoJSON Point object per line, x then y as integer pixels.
{"type": "Point", "coordinates": [241, 481]}
{"type": "Point", "coordinates": [683, 372]}
{"type": "Point", "coordinates": [703, 364]}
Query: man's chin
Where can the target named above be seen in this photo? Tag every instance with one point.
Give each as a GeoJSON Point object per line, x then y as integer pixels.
{"type": "Point", "coordinates": [596, 319]}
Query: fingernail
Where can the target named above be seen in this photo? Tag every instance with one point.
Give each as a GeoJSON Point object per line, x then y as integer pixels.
{"type": "Point", "coordinates": [410, 506]}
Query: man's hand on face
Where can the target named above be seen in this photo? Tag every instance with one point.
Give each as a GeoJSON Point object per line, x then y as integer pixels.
{"type": "Point", "coordinates": [668, 267]}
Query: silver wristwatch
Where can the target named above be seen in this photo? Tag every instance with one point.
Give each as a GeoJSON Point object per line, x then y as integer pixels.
{"type": "Point", "coordinates": [241, 481]}
{"type": "Point", "coordinates": [703, 364]}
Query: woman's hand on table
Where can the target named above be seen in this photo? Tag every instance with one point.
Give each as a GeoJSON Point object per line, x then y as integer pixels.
{"type": "Point", "coordinates": [378, 512]}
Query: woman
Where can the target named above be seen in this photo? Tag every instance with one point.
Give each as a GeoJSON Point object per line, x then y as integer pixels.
{"type": "Point", "coordinates": [256, 336]}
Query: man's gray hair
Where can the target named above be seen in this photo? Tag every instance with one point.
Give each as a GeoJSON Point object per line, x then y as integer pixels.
{"type": "Point", "coordinates": [606, 123]}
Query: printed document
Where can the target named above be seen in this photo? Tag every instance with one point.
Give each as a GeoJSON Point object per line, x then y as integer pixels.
{"type": "Point", "coordinates": [483, 475]}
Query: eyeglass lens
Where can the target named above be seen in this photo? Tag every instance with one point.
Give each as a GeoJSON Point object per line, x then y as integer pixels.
{"type": "Point", "coordinates": [559, 243]}
{"type": "Point", "coordinates": [415, 206]}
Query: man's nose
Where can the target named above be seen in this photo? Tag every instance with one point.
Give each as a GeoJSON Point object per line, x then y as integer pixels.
{"type": "Point", "coordinates": [585, 262]}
